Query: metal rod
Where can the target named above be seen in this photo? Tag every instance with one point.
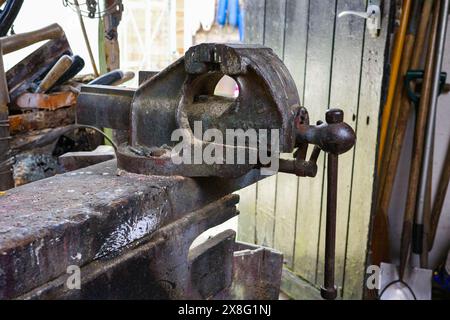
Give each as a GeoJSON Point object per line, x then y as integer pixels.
{"type": "Point", "coordinates": [329, 290]}
{"type": "Point", "coordinates": [429, 138]}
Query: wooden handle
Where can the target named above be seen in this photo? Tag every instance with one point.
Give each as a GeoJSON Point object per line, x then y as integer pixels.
{"type": "Point", "coordinates": [22, 40]}
{"type": "Point", "coordinates": [55, 73]}
{"type": "Point", "coordinates": [127, 76]}
{"type": "Point", "coordinates": [108, 79]}
{"type": "Point", "coordinates": [77, 66]}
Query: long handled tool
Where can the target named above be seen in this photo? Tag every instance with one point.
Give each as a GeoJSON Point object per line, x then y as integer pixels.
{"type": "Point", "coordinates": [390, 154]}
{"type": "Point", "coordinates": [419, 138]}
{"type": "Point", "coordinates": [429, 138]}
{"type": "Point", "coordinates": [418, 245]}
{"type": "Point", "coordinates": [396, 60]}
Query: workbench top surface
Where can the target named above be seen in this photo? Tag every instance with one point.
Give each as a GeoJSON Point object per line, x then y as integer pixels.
{"type": "Point", "coordinates": [84, 215]}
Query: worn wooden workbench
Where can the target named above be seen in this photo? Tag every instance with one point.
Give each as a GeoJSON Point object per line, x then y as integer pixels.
{"type": "Point", "coordinates": [130, 235]}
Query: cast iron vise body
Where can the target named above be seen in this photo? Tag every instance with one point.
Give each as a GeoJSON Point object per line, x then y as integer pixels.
{"type": "Point", "coordinates": [181, 97]}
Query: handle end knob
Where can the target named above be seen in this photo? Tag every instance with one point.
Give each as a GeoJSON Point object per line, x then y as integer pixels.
{"type": "Point", "coordinates": [328, 293]}
{"type": "Point", "coordinates": [334, 116]}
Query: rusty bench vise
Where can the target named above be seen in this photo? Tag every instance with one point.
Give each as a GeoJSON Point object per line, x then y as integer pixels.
{"type": "Point", "coordinates": [181, 97]}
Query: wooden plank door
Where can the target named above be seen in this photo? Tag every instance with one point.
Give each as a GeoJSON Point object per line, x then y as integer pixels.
{"type": "Point", "coordinates": [335, 63]}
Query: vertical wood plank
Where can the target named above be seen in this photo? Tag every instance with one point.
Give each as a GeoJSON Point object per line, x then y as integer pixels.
{"type": "Point", "coordinates": [285, 216]}
{"type": "Point", "coordinates": [296, 32]}
{"type": "Point", "coordinates": [254, 21]}
{"type": "Point", "coordinates": [361, 207]}
{"type": "Point", "coordinates": [344, 94]}
{"type": "Point", "coordinates": [247, 215]}
{"type": "Point", "coordinates": [295, 42]}
{"type": "Point", "coordinates": [266, 189]}
{"type": "Point", "coordinates": [317, 85]}
{"type": "Point", "coordinates": [253, 34]}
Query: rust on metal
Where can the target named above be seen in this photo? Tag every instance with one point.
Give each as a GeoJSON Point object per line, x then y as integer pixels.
{"type": "Point", "coordinates": [30, 121]}
{"type": "Point", "coordinates": [53, 101]}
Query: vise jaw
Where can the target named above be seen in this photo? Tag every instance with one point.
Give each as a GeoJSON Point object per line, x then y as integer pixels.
{"type": "Point", "coordinates": [182, 95]}
{"type": "Point", "coordinates": [181, 100]}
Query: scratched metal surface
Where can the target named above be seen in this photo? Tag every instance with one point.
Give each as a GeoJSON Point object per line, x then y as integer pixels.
{"type": "Point", "coordinates": [334, 63]}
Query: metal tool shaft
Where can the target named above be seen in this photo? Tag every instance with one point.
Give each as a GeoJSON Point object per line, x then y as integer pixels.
{"type": "Point", "coordinates": [329, 290]}
{"type": "Point", "coordinates": [334, 118]}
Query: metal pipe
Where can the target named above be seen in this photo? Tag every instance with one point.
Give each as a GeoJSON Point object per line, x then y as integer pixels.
{"type": "Point", "coordinates": [429, 138]}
